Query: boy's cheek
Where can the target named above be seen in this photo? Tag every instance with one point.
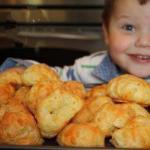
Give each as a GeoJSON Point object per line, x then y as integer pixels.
{"type": "Point", "coordinates": [120, 44]}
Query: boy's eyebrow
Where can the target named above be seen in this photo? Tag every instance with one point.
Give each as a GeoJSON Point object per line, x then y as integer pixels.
{"type": "Point", "coordinates": [123, 17]}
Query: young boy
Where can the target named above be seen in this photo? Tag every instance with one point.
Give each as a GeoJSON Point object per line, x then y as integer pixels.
{"type": "Point", "coordinates": [126, 25]}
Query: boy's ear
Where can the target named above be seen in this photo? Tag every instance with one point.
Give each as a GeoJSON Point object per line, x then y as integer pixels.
{"type": "Point", "coordinates": [105, 32]}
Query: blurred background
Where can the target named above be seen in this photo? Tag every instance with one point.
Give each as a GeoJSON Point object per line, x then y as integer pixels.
{"type": "Point", "coordinates": [52, 31]}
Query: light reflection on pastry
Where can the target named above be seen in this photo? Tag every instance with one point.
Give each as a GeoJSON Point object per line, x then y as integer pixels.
{"type": "Point", "coordinates": [18, 126]}
{"type": "Point", "coordinates": [129, 88]}
{"type": "Point", "coordinates": [7, 91]}
{"type": "Point", "coordinates": [39, 72]}
{"type": "Point", "coordinates": [56, 110]}
{"type": "Point", "coordinates": [136, 134]}
{"type": "Point", "coordinates": [81, 135]}
{"type": "Point", "coordinates": [114, 116]}
{"type": "Point", "coordinates": [12, 75]}
{"type": "Point", "coordinates": [87, 113]}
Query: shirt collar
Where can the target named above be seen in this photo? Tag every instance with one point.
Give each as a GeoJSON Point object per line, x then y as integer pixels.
{"type": "Point", "coordinates": [107, 70]}
{"type": "Point", "coordinates": [13, 62]}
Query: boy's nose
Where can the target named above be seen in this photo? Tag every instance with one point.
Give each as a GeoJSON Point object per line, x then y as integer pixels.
{"type": "Point", "coordinates": [143, 40]}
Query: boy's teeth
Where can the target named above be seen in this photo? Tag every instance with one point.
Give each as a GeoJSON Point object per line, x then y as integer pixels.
{"type": "Point", "coordinates": [143, 57]}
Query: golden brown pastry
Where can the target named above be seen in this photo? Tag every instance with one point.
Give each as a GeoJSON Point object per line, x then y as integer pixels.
{"type": "Point", "coordinates": [112, 116]}
{"type": "Point", "coordinates": [81, 135]}
{"type": "Point", "coordinates": [21, 93]}
{"type": "Point", "coordinates": [39, 91]}
{"type": "Point", "coordinates": [129, 88]}
{"type": "Point", "coordinates": [75, 87]}
{"type": "Point", "coordinates": [56, 110]}
{"type": "Point", "coordinates": [7, 91]}
{"type": "Point", "coordinates": [87, 113]}
{"type": "Point", "coordinates": [14, 106]}
{"type": "Point", "coordinates": [39, 72]}
{"type": "Point", "coordinates": [99, 90]}
{"type": "Point", "coordinates": [18, 126]}
{"type": "Point", "coordinates": [12, 75]}
{"type": "Point", "coordinates": [136, 134]}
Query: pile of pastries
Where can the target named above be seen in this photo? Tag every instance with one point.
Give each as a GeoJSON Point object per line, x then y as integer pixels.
{"type": "Point", "coordinates": [35, 104]}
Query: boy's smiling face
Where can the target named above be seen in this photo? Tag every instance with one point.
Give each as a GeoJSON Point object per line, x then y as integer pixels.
{"type": "Point", "coordinates": [128, 36]}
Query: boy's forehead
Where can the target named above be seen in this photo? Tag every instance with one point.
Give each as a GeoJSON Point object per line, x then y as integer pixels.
{"type": "Point", "coordinates": [118, 2]}
{"type": "Point", "coordinates": [131, 7]}
{"type": "Point", "coordinates": [129, 2]}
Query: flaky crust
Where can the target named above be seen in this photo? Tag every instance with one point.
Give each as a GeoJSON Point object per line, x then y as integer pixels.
{"type": "Point", "coordinates": [115, 116]}
{"type": "Point", "coordinates": [7, 91]}
{"type": "Point", "coordinates": [75, 87]}
{"type": "Point", "coordinates": [56, 110]}
{"type": "Point", "coordinates": [37, 73]}
{"type": "Point", "coordinates": [12, 75]}
{"type": "Point", "coordinates": [136, 134]}
{"type": "Point", "coordinates": [89, 110]}
{"type": "Point", "coordinates": [18, 127]}
{"type": "Point", "coordinates": [99, 90]}
{"type": "Point", "coordinates": [129, 88]}
{"type": "Point", "coordinates": [21, 94]}
{"type": "Point", "coordinates": [38, 92]}
{"type": "Point", "coordinates": [81, 135]}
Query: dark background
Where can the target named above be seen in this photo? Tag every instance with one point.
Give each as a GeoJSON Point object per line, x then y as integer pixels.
{"type": "Point", "coordinates": [53, 56]}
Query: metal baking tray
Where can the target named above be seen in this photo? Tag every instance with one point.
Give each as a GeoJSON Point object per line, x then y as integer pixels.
{"type": "Point", "coordinates": [51, 144]}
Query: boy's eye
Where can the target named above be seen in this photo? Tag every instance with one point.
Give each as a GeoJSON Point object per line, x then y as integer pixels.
{"type": "Point", "coordinates": [129, 27]}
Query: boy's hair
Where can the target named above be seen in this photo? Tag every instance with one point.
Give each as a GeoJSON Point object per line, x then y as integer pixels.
{"type": "Point", "coordinates": [108, 8]}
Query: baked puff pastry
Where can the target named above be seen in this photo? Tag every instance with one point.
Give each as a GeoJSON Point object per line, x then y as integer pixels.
{"type": "Point", "coordinates": [75, 87]}
{"type": "Point", "coordinates": [136, 134]}
{"type": "Point", "coordinates": [56, 110]}
{"type": "Point", "coordinates": [20, 94]}
{"type": "Point", "coordinates": [81, 135]}
{"type": "Point", "coordinates": [114, 116]}
{"type": "Point", "coordinates": [99, 90]}
{"type": "Point", "coordinates": [87, 113]}
{"type": "Point", "coordinates": [7, 91]}
{"type": "Point", "coordinates": [129, 88]}
{"type": "Point", "coordinates": [12, 75]}
{"type": "Point", "coordinates": [38, 92]}
{"type": "Point", "coordinates": [37, 73]}
{"type": "Point", "coordinates": [18, 126]}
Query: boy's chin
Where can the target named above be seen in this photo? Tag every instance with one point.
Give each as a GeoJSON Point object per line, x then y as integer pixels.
{"type": "Point", "coordinates": [141, 74]}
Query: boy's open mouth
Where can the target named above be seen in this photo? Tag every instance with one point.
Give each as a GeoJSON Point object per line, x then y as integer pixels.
{"type": "Point", "coordinates": [140, 58]}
